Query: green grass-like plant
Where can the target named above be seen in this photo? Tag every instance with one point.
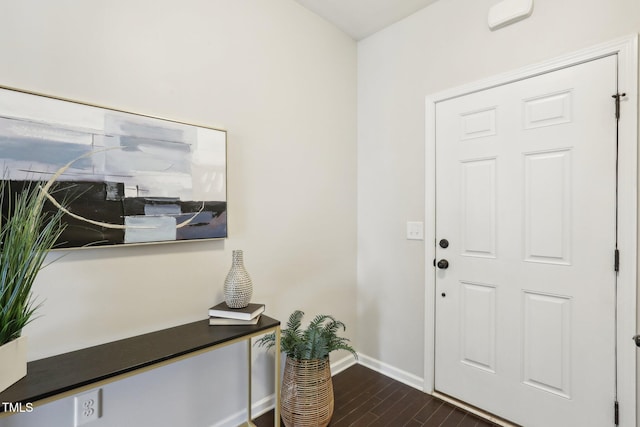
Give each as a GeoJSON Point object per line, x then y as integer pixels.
{"type": "Point", "coordinates": [316, 342]}
{"type": "Point", "coordinates": [27, 233]}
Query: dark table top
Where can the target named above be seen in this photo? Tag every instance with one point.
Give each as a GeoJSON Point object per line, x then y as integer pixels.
{"type": "Point", "coordinates": [65, 372]}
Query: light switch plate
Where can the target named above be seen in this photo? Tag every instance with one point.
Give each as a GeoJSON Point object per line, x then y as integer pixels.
{"type": "Point", "coordinates": [415, 230]}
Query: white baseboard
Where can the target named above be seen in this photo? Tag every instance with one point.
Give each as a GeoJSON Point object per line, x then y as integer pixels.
{"type": "Point", "coordinates": [233, 420]}
{"type": "Point", "coordinates": [239, 418]}
{"type": "Point", "coordinates": [268, 403]}
{"type": "Point", "coordinates": [392, 372]}
{"type": "Point", "coordinates": [342, 364]}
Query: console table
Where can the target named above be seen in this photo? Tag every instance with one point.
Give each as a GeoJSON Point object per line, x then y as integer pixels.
{"type": "Point", "coordinates": [71, 373]}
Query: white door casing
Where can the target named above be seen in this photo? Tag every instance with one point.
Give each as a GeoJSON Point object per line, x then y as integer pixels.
{"type": "Point", "coordinates": [482, 170]}
{"type": "Point", "coordinates": [525, 189]}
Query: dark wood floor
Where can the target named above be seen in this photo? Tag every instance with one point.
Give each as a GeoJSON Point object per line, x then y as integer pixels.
{"type": "Point", "coordinates": [364, 397]}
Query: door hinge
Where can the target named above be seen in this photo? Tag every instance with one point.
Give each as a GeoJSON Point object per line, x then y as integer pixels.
{"type": "Point", "coordinates": [616, 413]}
{"type": "Point", "coordinates": [617, 97]}
{"type": "Point", "coordinates": [616, 260]}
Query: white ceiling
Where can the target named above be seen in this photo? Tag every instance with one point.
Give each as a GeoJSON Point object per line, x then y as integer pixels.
{"type": "Point", "coordinates": [361, 18]}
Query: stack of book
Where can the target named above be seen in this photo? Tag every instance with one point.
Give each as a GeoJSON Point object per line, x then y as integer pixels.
{"type": "Point", "coordinates": [221, 314]}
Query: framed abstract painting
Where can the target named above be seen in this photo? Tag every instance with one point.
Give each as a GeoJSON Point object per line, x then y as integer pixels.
{"type": "Point", "coordinates": [121, 178]}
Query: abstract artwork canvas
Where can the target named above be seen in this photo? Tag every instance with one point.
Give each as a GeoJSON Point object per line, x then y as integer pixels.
{"type": "Point", "coordinates": [126, 178]}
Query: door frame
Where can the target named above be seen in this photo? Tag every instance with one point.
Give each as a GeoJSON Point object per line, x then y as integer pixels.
{"type": "Point", "coordinates": [627, 50]}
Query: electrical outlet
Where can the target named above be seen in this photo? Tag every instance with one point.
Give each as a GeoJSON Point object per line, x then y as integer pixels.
{"type": "Point", "coordinates": [87, 407]}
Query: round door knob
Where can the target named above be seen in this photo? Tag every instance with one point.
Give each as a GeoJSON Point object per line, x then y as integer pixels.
{"type": "Point", "coordinates": [444, 243]}
{"type": "Point", "coordinates": [443, 264]}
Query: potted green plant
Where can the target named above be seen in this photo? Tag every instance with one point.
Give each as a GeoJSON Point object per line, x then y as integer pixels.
{"type": "Point", "coordinates": [27, 233]}
{"type": "Point", "coordinates": [307, 389]}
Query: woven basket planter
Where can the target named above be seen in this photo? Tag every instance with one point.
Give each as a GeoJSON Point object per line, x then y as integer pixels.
{"type": "Point", "coordinates": [307, 393]}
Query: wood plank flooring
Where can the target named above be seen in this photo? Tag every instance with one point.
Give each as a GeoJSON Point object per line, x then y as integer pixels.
{"type": "Point", "coordinates": [364, 397]}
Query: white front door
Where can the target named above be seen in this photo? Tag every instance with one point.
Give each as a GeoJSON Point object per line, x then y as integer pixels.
{"type": "Point", "coordinates": [526, 200]}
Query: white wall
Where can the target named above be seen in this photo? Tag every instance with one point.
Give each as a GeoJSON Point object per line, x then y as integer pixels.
{"type": "Point", "coordinates": [283, 83]}
{"type": "Point", "coordinates": [443, 46]}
